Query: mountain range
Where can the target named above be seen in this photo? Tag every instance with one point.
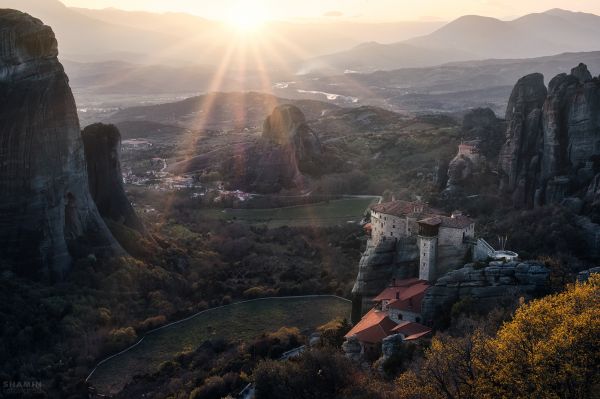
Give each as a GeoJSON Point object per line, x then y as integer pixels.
{"type": "Point", "coordinates": [474, 37]}
{"type": "Point", "coordinates": [333, 46]}
{"type": "Point", "coordinates": [91, 35]}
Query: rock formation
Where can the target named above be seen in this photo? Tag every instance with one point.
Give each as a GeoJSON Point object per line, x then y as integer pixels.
{"type": "Point", "coordinates": [287, 125]}
{"type": "Point", "coordinates": [287, 151]}
{"type": "Point", "coordinates": [553, 137]}
{"type": "Point", "coordinates": [482, 124]}
{"type": "Point", "coordinates": [519, 159]}
{"type": "Point", "coordinates": [460, 169]}
{"type": "Point", "coordinates": [585, 275]}
{"type": "Point", "coordinates": [352, 349]}
{"type": "Point", "coordinates": [483, 136]}
{"type": "Point", "coordinates": [47, 215]}
{"type": "Point", "coordinates": [288, 147]}
{"type": "Point", "coordinates": [381, 263]}
{"type": "Point", "coordinates": [102, 145]}
{"type": "Point", "coordinates": [487, 286]}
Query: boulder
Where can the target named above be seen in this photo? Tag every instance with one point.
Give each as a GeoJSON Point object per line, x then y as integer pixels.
{"type": "Point", "coordinates": [352, 349]}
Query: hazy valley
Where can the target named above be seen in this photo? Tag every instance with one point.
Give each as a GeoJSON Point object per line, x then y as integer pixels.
{"type": "Point", "coordinates": [306, 208]}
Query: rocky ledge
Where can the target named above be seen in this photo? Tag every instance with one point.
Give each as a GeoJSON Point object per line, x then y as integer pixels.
{"type": "Point", "coordinates": [485, 285]}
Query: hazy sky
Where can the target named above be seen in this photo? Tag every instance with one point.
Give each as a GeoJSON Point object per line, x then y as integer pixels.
{"type": "Point", "coordinates": [355, 9]}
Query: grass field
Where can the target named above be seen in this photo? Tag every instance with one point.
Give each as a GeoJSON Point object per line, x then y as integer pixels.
{"type": "Point", "coordinates": [321, 214]}
{"type": "Point", "coordinates": [242, 321]}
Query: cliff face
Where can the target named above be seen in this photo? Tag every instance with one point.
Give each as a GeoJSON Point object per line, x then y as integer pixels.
{"type": "Point", "coordinates": [519, 158]}
{"type": "Point", "coordinates": [102, 145]}
{"type": "Point", "coordinates": [47, 215]}
{"type": "Point", "coordinates": [553, 137]}
{"type": "Point", "coordinates": [379, 264]}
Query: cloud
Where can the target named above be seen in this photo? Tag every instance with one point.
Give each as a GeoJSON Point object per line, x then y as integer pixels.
{"type": "Point", "coordinates": [333, 14]}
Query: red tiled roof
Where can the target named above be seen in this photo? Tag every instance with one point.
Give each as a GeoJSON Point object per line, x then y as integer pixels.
{"type": "Point", "coordinates": [430, 215]}
{"type": "Point", "coordinates": [373, 327]}
{"type": "Point", "coordinates": [432, 221]}
{"type": "Point", "coordinates": [404, 288]}
{"type": "Point", "coordinates": [403, 208]}
{"type": "Point", "coordinates": [456, 222]}
{"type": "Point", "coordinates": [411, 330]}
{"type": "Point", "coordinates": [412, 304]}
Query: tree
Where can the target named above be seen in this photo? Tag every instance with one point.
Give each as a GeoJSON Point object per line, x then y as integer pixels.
{"type": "Point", "coordinates": [316, 374]}
{"type": "Point", "coordinates": [447, 371]}
{"type": "Point", "coordinates": [551, 348]}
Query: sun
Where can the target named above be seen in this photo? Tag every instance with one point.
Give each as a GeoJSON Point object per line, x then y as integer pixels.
{"type": "Point", "coordinates": [247, 16]}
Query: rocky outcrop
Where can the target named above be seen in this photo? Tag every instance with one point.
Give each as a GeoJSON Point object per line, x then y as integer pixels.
{"type": "Point", "coordinates": [460, 169]}
{"type": "Point", "coordinates": [102, 145]}
{"type": "Point", "coordinates": [487, 286]}
{"type": "Point", "coordinates": [483, 136]}
{"type": "Point", "coordinates": [585, 275]}
{"type": "Point", "coordinates": [287, 125]}
{"type": "Point", "coordinates": [581, 73]}
{"type": "Point", "coordinates": [520, 157]}
{"type": "Point", "coordinates": [551, 150]}
{"type": "Point", "coordinates": [287, 149]}
{"type": "Point", "coordinates": [352, 349]}
{"type": "Point", "coordinates": [47, 215]}
{"type": "Point", "coordinates": [381, 263]}
{"type": "Point", "coordinates": [483, 124]}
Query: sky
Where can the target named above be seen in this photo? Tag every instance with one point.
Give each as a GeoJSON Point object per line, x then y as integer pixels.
{"type": "Point", "coordinates": [363, 10]}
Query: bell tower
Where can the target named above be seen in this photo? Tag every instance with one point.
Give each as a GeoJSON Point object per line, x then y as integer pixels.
{"type": "Point", "coordinates": [428, 241]}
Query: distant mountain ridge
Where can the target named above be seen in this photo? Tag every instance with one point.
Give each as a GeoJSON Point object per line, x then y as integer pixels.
{"type": "Point", "coordinates": [92, 35]}
{"type": "Point", "coordinates": [474, 37]}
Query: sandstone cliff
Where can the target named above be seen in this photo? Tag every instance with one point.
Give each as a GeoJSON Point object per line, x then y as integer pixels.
{"type": "Point", "coordinates": [553, 137]}
{"type": "Point", "coordinates": [47, 215]}
{"type": "Point", "coordinates": [102, 145]}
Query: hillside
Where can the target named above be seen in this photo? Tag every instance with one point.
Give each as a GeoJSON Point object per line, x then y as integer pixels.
{"type": "Point", "coordinates": [450, 87]}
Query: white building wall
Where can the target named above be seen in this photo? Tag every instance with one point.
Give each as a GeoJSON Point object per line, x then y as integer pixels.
{"type": "Point", "coordinates": [455, 237]}
{"type": "Point", "coordinates": [427, 257]}
{"type": "Point", "coordinates": [386, 226]}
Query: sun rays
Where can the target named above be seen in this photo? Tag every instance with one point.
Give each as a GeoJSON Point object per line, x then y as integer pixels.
{"type": "Point", "coordinates": [254, 57]}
